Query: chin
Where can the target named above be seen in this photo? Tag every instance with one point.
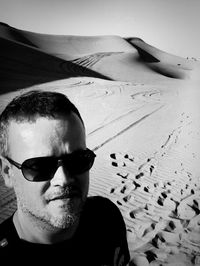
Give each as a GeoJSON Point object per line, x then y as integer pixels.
{"type": "Point", "coordinates": [64, 222]}
{"type": "Point", "coordinates": [65, 215]}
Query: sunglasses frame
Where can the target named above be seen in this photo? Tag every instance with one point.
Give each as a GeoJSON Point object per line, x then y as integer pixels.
{"type": "Point", "coordinates": [58, 159]}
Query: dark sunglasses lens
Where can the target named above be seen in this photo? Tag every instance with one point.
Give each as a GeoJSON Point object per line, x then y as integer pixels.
{"type": "Point", "coordinates": [39, 169]}
{"type": "Point", "coordinates": [44, 168]}
{"type": "Point", "coordinates": [80, 161]}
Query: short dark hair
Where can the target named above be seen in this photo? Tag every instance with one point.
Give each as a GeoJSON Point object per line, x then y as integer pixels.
{"type": "Point", "coordinates": [31, 105]}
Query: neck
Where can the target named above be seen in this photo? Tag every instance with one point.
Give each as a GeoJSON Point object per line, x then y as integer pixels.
{"type": "Point", "coordinates": [35, 232]}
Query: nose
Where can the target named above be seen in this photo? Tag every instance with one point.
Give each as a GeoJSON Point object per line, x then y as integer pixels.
{"type": "Point", "coordinates": [61, 177]}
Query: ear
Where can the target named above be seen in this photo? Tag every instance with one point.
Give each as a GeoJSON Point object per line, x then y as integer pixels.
{"type": "Point", "coordinates": [6, 171]}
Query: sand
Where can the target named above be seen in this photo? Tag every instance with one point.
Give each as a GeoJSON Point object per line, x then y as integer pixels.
{"type": "Point", "coordinates": [144, 126]}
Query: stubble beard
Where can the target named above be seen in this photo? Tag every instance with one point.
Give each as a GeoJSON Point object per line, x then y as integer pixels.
{"type": "Point", "coordinates": [44, 220]}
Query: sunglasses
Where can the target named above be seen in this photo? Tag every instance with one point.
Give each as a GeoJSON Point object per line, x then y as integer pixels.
{"type": "Point", "coordinates": [44, 168]}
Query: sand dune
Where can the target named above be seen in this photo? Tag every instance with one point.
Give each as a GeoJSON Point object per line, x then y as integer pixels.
{"type": "Point", "coordinates": [72, 46]}
{"type": "Point", "coordinates": [142, 116]}
{"type": "Point", "coordinates": [30, 58]}
{"type": "Point", "coordinates": [22, 66]}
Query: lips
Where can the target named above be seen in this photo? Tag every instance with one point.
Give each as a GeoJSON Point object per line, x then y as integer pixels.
{"type": "Point", "coordinates": [68, 193]}
{"type": "Point", "coordinates": [66, 196]}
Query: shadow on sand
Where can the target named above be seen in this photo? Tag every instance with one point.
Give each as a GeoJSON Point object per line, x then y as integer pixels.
{"type": "Point", "coordinates": [23, 66]}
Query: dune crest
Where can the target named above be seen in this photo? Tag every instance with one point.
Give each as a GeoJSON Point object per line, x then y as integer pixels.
{"type": "Point", "coordinates": [106, 57]}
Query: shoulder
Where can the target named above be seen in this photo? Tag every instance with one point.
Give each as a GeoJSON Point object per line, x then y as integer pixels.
{"type": "Point", "coordinates": [107, 225]}
{"type": "Point", "coordinates": [6, 227]}
{"type": "Point", "coordinates": [101, 204]}
{"type": "Point", "coordinates": [104, 210]}
{"type": "Point", "coordinates": [99, 200]}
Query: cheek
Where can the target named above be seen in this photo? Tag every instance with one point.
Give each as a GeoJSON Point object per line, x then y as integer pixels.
{"type": "Point", "coordinates": [26, 191]}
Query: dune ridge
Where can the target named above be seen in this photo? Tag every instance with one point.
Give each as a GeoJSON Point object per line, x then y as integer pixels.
{"type": "Point", "coordinates": [106, 57]}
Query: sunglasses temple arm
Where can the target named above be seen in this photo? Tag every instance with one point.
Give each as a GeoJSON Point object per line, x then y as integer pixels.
{"type": "Point", "coordinates": [14, 163]}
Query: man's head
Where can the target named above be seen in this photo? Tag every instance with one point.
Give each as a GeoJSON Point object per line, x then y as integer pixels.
{"type": "Point", "coordinates": [44, 133]}
{"type": "Point", "coordinates": [31, 105]}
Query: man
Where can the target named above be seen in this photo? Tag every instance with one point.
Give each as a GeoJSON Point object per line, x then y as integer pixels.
{"type": "Point", "coordinates": [45, 160]}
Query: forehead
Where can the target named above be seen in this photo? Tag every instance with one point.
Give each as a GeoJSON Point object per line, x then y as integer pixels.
{"type": "Point", "coordinates": [45, 137]}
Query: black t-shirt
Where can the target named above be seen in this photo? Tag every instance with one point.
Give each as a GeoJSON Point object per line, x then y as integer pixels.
{"type": "Point", "coordinates": [99, 240]}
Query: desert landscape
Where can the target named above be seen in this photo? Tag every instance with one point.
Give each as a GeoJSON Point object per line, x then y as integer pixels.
{"type": "Point", "coordinates": [141, 110]}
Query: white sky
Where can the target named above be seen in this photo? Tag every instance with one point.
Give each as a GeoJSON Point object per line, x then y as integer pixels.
{"type": "Point", "coordinates": [170, 25]}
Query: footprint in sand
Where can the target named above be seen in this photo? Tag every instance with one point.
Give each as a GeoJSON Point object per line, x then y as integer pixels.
{"type": "Point", "coordinates": [118, 164]}
{"type": "Point", "coordinates": [160, 200]}
{"type": "Point", "coordinates": [136, 184]}
{"type": "Point", "coordinates": [124, 188]}
{"type": "Point", "coordinates": [149, 166]}
{"type": "Point", "coordinates": [138, 176]}
{"type": "Point", "coordinates": [188, 207]}
{"type": "Point", "coordinates": [151, 169]}
{"type": "Point", "coordinates": [128, 198]}
{"type": "Point", "coordinates": [170, 226]}
{"type": "Point", "coordinates": [148, 230]}
{"type": "Point", "coordinates": [129, 157]}
{"type": "Point", "coordinates": [123, 175]}
{"type": "Point", "coordinates": [158, 241]}
{"type": "Point", "coordinates": [121, 159]}
{"type": "Point", "coordinates": [137, 213]}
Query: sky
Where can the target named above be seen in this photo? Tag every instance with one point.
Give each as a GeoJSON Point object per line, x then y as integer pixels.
{"type": "Point", "coordinates": [170, 25]}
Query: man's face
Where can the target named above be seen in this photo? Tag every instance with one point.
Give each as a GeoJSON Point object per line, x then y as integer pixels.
{"type": "Point", "coordinates": [48, 137]}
